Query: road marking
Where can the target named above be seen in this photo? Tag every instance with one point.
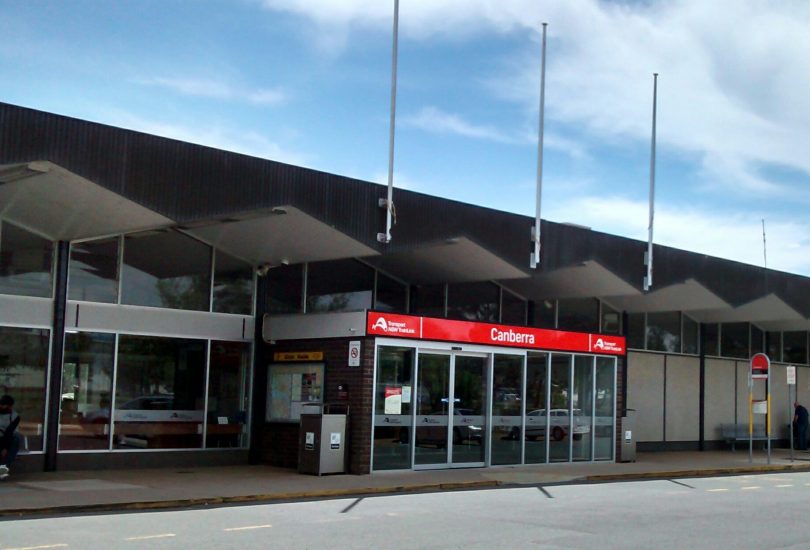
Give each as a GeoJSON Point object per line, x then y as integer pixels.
{"type": "Point", "coordinates": [352, 505]}
{"type": "Point", "coordinates": [681, 483]}
{"type": "Point", "coordinates": [247, 527]}
{"type": "Point", "coordinates": [545, 492]}
{"type": "Point", "coordinates": [61, 545]}
{"type": "Point", "coordinates": [750, 487]}
{"type": "Point", "coordinates": [786, 485]}
{"type": "Point", "coordinates": [716, 490]}
{"type": "Point", "coordinates": [147, 537]}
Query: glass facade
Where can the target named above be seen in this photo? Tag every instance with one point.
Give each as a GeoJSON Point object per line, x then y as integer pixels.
{"type": "Point", "coordinates": [233, 285]}
{"type": "Point", "coordinates": [428, 300]}
{"type": "Point", "coordinates": [794, 347]}
{"type": "Point", "coordinates": [444, 408]}
{"type": "Point", "coordinates": [513, 309]}
{"type": "Point", "coordinates": [635, 330]}
{"type": "Point", "coordinates": [734, 340]}
{"type": "Point", "coordinates": [340, 285]}
{"type": "Point", "coordinates": [23, 372]}
{"type": "Point", "coordinates": [663, 331]}
{"type": "Point", "coordinates": [285, 289]}
{"type": "Point", "coordinates": [159, 393]}
{"type": "Point", "coordinates": [26, 262]}
{"type": "Point", "coordinates": [473, 302]}
{"type": "Point", "coordinates": [166, 269]}
{"type": "Point", "coordinates": [390, 295]}
{"type": "Point", "coordinates": [93, 273]}
{"type": "Point", "coordinates": [691, 336]}
{"type": "Point", "coordinates": [87, 379]}
{"type": "Point", "coordinates": [578, 314]}
{"type": "Point", "coordinates": [711, 339]}
{"type": "Point", "coordinates": [544, 313]}
{"type": "Point", "coordinates": [228, 397]}
{"type": "Point", "coordinates": [611, 320]}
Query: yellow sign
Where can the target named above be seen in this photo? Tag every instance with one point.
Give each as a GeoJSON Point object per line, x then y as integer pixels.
{"type": "Point", "coordinates": [298, 356]}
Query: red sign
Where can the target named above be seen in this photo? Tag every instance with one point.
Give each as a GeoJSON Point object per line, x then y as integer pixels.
{"type": "Point", "coordinates": [760, 363]}
{"type": "Point", "coordinates": [429, 328]}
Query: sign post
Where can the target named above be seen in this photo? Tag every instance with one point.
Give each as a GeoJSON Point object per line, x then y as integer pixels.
{"type": "Point", "coordinates": [791, 381]}
{"type": "Point", "coordinates": [760, 370]}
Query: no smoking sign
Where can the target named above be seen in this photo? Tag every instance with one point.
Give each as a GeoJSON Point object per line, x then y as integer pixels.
{"type": "Point", "coordinates": [354, 353]}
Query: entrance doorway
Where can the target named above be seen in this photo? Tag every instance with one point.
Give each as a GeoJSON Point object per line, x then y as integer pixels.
{"type": "Point", "coordinates": [450, 423]}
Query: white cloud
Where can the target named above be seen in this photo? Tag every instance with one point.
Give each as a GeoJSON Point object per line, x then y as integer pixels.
{"type": "Point", "coordinates": [732, 84]}
{"type": "Point", "coordinates": [217, 90]}
{"type": "Point", "coordinates": [432, 119]}
{"type": "Point", "coordinates": [732, 234]}
{"type": "Point", "coordinates": [211, 135]}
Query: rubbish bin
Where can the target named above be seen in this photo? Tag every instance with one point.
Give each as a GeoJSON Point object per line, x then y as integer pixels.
{"type": "Point", "coordinates": [322, 441]}
{"type": "Point", "coordinates": [628, 443]}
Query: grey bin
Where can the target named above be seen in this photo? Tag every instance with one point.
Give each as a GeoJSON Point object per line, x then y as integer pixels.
{"type": "Point", "coordinates": [322, 441]}
{"type": "Point", "coordinates": [628, 437]}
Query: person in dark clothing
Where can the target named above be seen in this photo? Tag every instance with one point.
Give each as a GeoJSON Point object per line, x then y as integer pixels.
{"type": "Point", "coordinates": [800, 421]}
{"type": "Point", "coordinates": [9, 438]}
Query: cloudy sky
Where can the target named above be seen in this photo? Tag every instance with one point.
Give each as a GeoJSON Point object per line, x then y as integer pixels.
{"type": "Point", "coordinates": [307, 82]}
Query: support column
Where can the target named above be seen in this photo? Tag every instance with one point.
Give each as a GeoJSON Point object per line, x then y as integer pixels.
{"type": "Point", "coordinates": [702, 417]}
{"type": "Point", "coordinates": [259, 394]}
{"type": "Point", "coordinates": [57, 353]}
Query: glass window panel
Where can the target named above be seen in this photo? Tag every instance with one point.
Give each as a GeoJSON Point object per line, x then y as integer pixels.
{"type": "Point", "coordinates": [560, 421]}
{"type": "Point", "coordinates": [23, 365]}
{"type": "Point", "coordinates": [159, 394]}
{"type": "Point", "coordinates": [691, 336]}
{"type": "Point", "coordinates": [25, 262]}
{"type": "Point", "coordinates": [611, 322]}
{"type": "Point", "coordinates": [427, 300]}
{"type": "Point", "coordinates": [286, 289]}
{"type": "Point", "coordinates": [340, 285]}
{"type": "Point", "coordinates": [507, 404]}
{"type": "Point", "coordinates": [513, 309]}
{"type": "Point", "coordinates": [711, 339]}
{"type": "Point", "coordinates": [94, 271]}
{"type": "Point", "coordinates": [582, 406]}
{"type": "Point", "coordinates": [664, 331]}
{"type": "Point", "coordinates": [233, 285]}
{"type": "Point", "coordinates": [544, 313]}
{"type": "Point", "coordinates": [578, 314]}
{"type": "Point", "coordinates": [794, 347]}
{"type": "Point", "coordinates": [734, 340]}
{"type": "Point", "coordinates": [292, 388]}
{"type": "Point", "coordinates": [432, 409]}
{"type": "Point", "coordinates": [393, 413]}
{"type": "Point", "coordinates": [228, 399]}
{"type": "Point", "coordinates": [469, 410]}
{"type": "Point", "coordinates": [84, 422]}
{"type": "Point", "coordinates": [757, 340]}
{"type": "Point", "coordinates": [473, 302]}
{"type": "Point", "coordinates": [604, 409]}
{"type": "Point", "coordinates": [166, 269]}
{"type": "Point", "coordinates": [536, 395]}
{"type": "Point", "coordinates": [774, 345]}
{"type": "Point", "coordinates": [391, 295]}
{"type": "Point", "coordinates": [635, 330]}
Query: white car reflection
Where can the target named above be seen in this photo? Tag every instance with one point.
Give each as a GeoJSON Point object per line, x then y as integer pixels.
{"type": "Point", "coordinates": [536, 424]}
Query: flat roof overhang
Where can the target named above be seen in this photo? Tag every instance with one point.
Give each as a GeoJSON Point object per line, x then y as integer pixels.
{"type": "Point", "coordinates": [767, 311]}
{"type": "Point", "coordinates": [51, 201]}
{"type": "Point", "coordinates": [689, 296]}
{"type": "Point", "coordinates": [588, 279]}
{"type": "Point", "coordinates": [453, 260]}
{"type": "Point", "coordinates": [277, 236]}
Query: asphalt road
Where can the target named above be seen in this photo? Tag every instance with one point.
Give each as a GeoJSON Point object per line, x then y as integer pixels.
{"type": "Point", "coordinates": [757, 511]}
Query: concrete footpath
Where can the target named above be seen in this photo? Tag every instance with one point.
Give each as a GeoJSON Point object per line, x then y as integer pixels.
{"type": "Point", "coordinates": [107, 490]}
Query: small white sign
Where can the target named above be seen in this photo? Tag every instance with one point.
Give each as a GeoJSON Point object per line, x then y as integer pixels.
{"type": "Point", "coordinates": [334, 440]}
{"type": "Point", "coordinates": [791, 375]}
{"type": "Point", "coordinates": [406, 394]}
{"type": "Point", "coordinates": [222, 420]}
{"type": "Point", "coordinates": [628, 435]}
{"type": "Point", "coordinates": [309, 441]}
{"type": "Point", "coordinates": [354, 353]}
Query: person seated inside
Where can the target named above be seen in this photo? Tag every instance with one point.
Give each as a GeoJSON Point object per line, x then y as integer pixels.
{"type": "Point", "coordinates": [9, 437]}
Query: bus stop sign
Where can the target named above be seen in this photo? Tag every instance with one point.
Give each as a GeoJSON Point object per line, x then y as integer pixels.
{"type": "Point", "coordinates": [759, 366]}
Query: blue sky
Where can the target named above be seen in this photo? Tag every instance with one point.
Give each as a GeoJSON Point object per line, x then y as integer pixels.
{"type": "Point", "coordinates": [307, 82]}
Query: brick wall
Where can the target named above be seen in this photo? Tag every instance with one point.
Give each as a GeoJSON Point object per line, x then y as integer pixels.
{"type": "Point", "coordinates": [280, 440]}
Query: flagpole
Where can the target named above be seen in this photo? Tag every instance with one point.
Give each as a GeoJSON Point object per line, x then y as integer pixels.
{"type": "Point", "coordinates": [648, 257]}
{"type": "Point", "coordinates": [535, 257]}
{"type": "Point", "coordinates": [388, 203]}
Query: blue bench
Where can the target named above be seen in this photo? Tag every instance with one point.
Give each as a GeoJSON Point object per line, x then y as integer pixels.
{"type": "Point", "coordinates": [732, 433]}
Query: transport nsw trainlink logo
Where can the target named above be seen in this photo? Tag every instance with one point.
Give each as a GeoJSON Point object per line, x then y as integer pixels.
{"type": "Point", "coordinates": [603, 344]}
{"type": "Point", "coordinates": [393, 327]}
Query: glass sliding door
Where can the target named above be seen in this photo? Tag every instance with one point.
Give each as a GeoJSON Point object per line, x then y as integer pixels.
{"type": "Point", "coordinates": [560, 410]}
{"type": "Point", "coordinates": [582, 406]}
{"type": "Point", "coordinates": [507, 409]}
{"type": "Point", "coordinates": [432, 410]}
{"type": "Point", "coordinates": [604, 408]}
{"type": "Point", "coordinates": [468, 419]}
{"type": "Point", "coordinates": [536, 405]}
{"type": "Point", "coordinates": [393, 418]}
